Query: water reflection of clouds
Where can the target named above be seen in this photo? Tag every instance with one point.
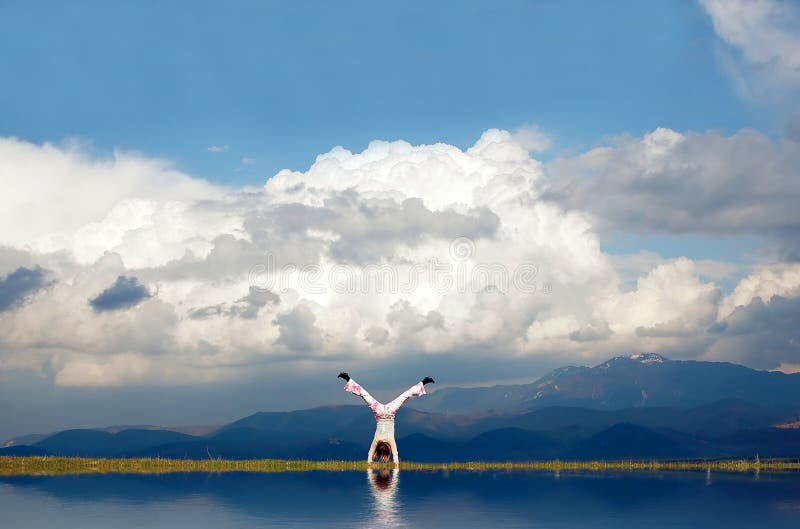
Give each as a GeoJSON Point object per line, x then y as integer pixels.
{"type": "Point", "coordinates": [383, 485]}
{"type": "Point", "coordinates": [788, 506]}
{"type": "Point", "coordinates": [716, 500]}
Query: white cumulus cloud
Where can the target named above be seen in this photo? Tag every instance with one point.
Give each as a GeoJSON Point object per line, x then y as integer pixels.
{"type": "Point", "coordinates": [50, 192]}
{"type": "Point", "coordinates": [765, 33]}
{"type": "Point", "coordinates": [400, 253]}
{"type": "Point", "coordinates": [687, 183]}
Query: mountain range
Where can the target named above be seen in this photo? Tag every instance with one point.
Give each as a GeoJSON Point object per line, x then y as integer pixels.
{"type": "Point", "coordinates": [640, 380]}
{"type": "Point", "coordinates": [638, 406]}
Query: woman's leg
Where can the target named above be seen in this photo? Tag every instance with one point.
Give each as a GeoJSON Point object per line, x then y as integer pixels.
{"type": "Point", "coordinates": [414, 391]}
{"type": "Point", "coordinates": [355, 388]}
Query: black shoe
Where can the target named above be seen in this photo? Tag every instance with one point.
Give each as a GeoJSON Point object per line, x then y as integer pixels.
{"type": "Point", "coordinates": [428, 380]}
{"type": "Point", "coordinates": [345, 376]}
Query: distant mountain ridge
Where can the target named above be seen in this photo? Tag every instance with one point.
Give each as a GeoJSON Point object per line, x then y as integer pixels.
{"type": "Point", "coordinates": [193, 430]}
{"type": "Point", "coordinates": [643, 406]}
{"type": "Point", "coordinates": [639, 380]}
{"type": "Point", "coordinates": [94, 443]}
{"type": "Point", "coordinates": [727, 428]}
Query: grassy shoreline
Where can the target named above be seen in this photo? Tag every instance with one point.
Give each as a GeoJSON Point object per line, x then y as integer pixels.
{"type": "Point", "coordinates": [49, 465]}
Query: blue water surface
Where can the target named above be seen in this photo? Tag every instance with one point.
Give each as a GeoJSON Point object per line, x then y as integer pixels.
{"type": "Point", "coordinates": [402, 499]}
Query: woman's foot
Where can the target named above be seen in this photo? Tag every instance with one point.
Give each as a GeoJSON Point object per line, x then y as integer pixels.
{"type": "Point", "coordinates": [428, 380]}
{"type": "Point", "coordinates": [345, 376]}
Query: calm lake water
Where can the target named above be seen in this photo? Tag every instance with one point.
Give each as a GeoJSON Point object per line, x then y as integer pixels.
{"type": "Point", "coordinates": [408, 499]}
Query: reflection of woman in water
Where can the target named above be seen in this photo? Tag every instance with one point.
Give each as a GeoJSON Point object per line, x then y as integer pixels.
{"type": "Point", "coordinates": [383, 486]}
{"type": "Point", "coordinates": [383, 444]}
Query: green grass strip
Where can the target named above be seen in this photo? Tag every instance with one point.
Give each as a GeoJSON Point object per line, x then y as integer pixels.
{"type": "Point", "coordinates": [49, 465]}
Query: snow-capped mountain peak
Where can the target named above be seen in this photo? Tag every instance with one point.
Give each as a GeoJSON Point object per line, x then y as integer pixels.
{"type": "Point", "coordinates": [648, 358]}
{"type": "Point", "coordinates": [641, 358]}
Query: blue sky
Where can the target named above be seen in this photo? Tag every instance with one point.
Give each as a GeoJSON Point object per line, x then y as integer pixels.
{"type": "Point", "coordinates": [662, 217]}
{"type": "Point", "coordinates": [279, 82]}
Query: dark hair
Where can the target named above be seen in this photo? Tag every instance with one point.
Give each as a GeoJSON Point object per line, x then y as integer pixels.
{"type": "Point", "coordinates": [383, 452]}
{"type": "Point", "coordinates": [382, 479]}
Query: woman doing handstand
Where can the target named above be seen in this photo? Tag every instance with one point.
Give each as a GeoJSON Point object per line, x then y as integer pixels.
{"type": "Point", "coordinates": [383, 444]}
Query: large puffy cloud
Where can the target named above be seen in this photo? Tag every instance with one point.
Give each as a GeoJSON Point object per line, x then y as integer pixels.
{"type": "Point", "coordinates": [52, 192]}
{"type": "Point", "coordinates": [764, 32]}
{"type": "Point", "coordinates": [757, 322]}
{"type": "Point", "coordinates": [395, 255]}
{"type": "Point", "coordinates": [697, 183]}
{"type": "Point", "coordinates": [768, 281]}
{"type": "Point", "coordinates": [671, 297]}
{"type": "Point", "coordinates": [633, 266]}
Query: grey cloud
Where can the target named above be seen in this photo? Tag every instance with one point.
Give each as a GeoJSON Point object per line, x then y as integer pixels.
{"type": "Point", "coordinates": [668, 329]}
{"type": "Point", "coordinates": [409, 321]}
{"type": "Point", "coordinates": [717, 327]}
{"type": "Point", "coordinates": [12, 258]}
{"type": "Point", "coordinates": [126, 292]}
{"type": "Point", "coordinates": [360, 220]}
{"type": "Point", "coordinates": [366, 230]}
{"type": "Point", "coordinates": [792, 128]}
{"type": "Point", "coordinates": [297, 330]}
{"type": "Point", "coordinates": [762, 45]}
{"type": "Point", "coordinates": [376, 336]}
{"type": "Point", "coordinates": [207, 312]}
{"type": "Point", "coordinates": [19, 284]}
{"type": "Point", "coordinates": [694, 183]}
{"type": "Point", "coordinates": [788, 244]}
{"type": "Point", "coordinates": [371, 229]}
{"type": "Point", "coordinates": [249, 305]}
{"type": "Point", "coordinates": [490, 302]}
{"type": "Point", "coordinates": [245, 307]}
{"type": "Point", "coordinates": [232, 257]}
{"type": "Point", "coordinates": [591, 333]}
{"type": "Point", "coordinates": [761, 335]}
